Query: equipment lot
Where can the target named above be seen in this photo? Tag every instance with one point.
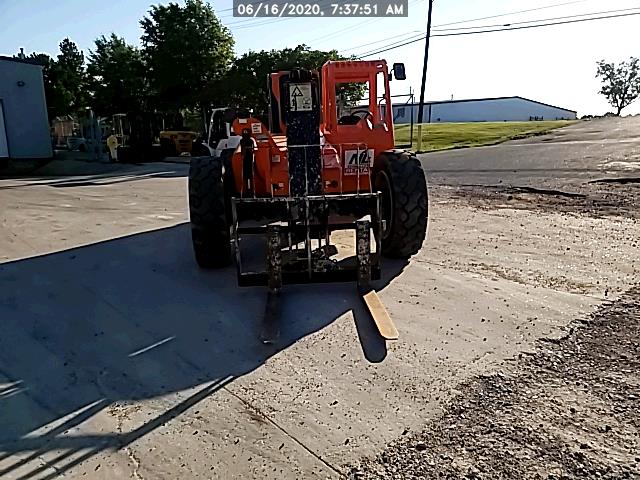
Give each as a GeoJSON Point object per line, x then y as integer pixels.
{"type": "Point", "coordinates": [119, 358]}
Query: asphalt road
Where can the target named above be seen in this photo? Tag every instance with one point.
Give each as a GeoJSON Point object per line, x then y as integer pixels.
{"type": "Point", "coordinates": [563, 159]}
{"type": "Point", "coordinates": [119, 358]}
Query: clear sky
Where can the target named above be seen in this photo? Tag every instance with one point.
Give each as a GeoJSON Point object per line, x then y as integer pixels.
{"type": "Point", "coordinates": [554, 65]}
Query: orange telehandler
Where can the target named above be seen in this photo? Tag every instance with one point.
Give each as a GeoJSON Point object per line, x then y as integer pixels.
{"type": "Point", "coordinates": [317, 168]}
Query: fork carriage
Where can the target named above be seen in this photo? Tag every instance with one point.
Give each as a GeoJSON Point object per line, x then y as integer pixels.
{"type": "Point", "coordinates": [299, 248]}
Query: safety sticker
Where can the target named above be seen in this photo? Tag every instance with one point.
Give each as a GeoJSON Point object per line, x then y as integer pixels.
{"type": "Point", "coordinates": [300, 99]}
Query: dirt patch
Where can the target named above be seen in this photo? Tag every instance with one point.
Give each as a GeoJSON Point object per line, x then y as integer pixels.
{"type": "Point", "coordinates": [567, 411]}
{"type": "Point", "coordinates": [593, 199]}
{"type": "Point", "coordinates": [539, 279]}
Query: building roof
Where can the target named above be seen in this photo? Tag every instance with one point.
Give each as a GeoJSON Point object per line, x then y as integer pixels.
{"type": "Point", "coordinates": [28, 61]}
{"type": "Point", "coordinates": [439, 102]}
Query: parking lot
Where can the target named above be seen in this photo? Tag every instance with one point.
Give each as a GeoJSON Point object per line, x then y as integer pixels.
{"type": "Point", "coordinates": [120, 358]}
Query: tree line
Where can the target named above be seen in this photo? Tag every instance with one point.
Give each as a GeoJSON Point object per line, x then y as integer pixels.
{"type": "Point", "coordinates": [185, 62]}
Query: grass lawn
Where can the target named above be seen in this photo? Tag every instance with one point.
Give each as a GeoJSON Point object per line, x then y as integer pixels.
{"type": "Point", "coordinates": [443, 136]}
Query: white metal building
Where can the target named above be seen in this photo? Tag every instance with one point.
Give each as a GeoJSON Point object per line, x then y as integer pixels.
{"type": "Point", "coordinates": [24, 124]}
{"type": "Point", "coordinates": [499, 109]}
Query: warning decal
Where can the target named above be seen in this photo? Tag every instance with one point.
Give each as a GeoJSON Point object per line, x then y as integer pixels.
{"type": "Point", "coordinates": [300, 97]}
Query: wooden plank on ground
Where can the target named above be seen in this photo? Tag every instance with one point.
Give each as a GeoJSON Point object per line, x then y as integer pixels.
{"type": "Point", "coordinates": [380, 316]}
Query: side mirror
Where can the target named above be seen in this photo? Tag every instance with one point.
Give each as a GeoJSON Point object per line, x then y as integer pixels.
{"type": "Point", "coordinates": [398, 71]}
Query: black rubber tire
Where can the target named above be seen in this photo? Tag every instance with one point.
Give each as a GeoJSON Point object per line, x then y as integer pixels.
{"type": "Point", "coordinates": [209, 225]}
{"type": "Point", "coordinates": [168, 148]}
{"type": "Point", "coordinates": [198, 150]}
{"type": "Point", "coordinates": [124, 154]}
{"type": "Point", "coordinates": [401, 179]}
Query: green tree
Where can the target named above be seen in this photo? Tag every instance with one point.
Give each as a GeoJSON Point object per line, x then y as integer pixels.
{"type": "Point", "coordinates": [186, 48]}
{"type": "Point", "coordinates": [55, 106]}
{"type": "Point", "coordinates": [116, 76]}
{"type": "Point", "coordinates": [70, 78]}
{"type": "Point", "coordinates": [245, 84]}
{"type": "Point", "coordinates": [64, 81]}
{"type": "Point", "coordinates": [621, 83]}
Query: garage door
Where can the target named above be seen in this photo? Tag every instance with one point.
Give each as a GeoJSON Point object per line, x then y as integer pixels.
{"type": "Point", "coordinates": [4, 147]}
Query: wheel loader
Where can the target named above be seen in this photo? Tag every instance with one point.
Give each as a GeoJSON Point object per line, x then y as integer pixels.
{"type": "Point", "coordinates": [317, 168]}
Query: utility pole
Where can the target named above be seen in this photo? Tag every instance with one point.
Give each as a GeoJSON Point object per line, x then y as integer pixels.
{"type": "Point", "coordinates": [424, 75]}
{"type": "Point", "coordinates": [412, 99]}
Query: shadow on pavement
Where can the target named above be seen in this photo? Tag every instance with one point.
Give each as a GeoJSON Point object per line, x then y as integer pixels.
{"type": "Point", "coordinates": [123, 175]}
{"type": "Point", "coordinates": [129, 319]}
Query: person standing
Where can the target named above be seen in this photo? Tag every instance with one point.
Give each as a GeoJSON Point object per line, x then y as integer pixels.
{"type": "Point", "coordinates": [112, 144]}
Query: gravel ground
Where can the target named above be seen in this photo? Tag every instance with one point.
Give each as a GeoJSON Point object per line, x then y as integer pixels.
{"type": "Point", "coordinates": [567, 411]}
{"type": "Point", "coordinates": [600, 199]}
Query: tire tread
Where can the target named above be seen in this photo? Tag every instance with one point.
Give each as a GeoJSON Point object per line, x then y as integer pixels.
{"type": "Point", "coordinates": [209, 226]}
{"type": "Point", "coordinates": [410, 204]}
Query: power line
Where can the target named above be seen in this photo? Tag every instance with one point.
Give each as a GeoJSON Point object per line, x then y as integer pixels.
{"type": "Point", "coordinates": [421, 37]}
{"type": "Point", "coordinates": [230, 9]}
{"type": "Point", "coordinates": [249, 22]}
{"type": "Point", "coordinates": [410, 34]}
{"type": "Point", "coordinates": [535, 21]}
{"type": "Point", "coordinates": [539, 25]}
{"type": "Point", "coordinates": [263, 21]}
{"type": "Point", "coordinates": [555, 5]}
{"type": "Point", "coordinates": [337, 32]}
{"type": "Point", "coordinates": [397, 44]}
